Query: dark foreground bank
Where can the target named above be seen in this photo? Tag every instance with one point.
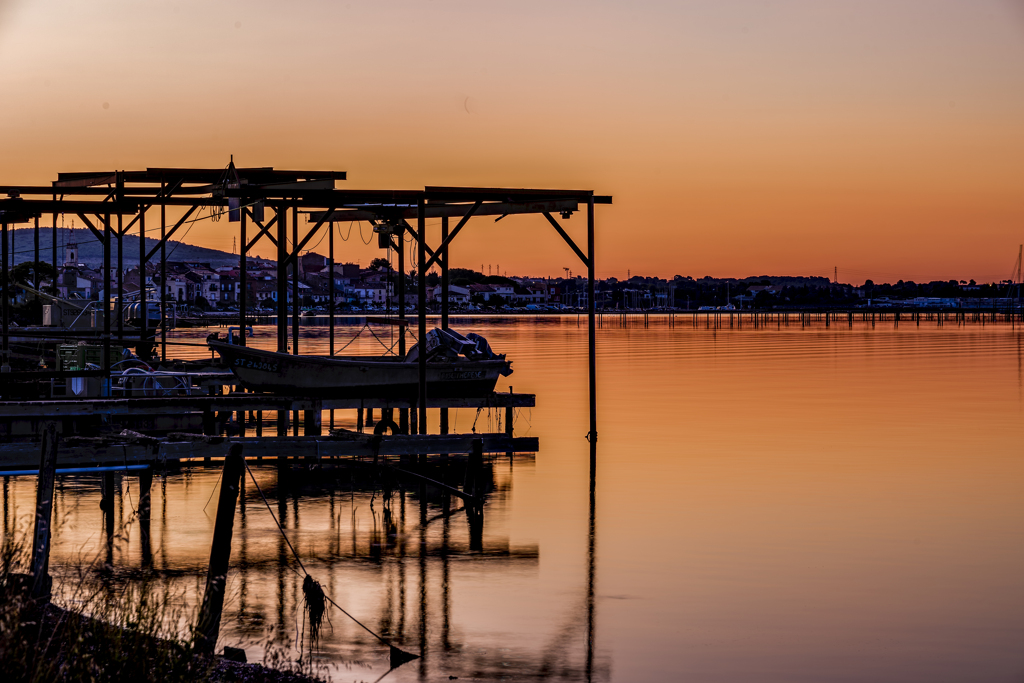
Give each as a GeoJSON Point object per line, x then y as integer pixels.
{"type": "Point", "coordinates": [40, 641]}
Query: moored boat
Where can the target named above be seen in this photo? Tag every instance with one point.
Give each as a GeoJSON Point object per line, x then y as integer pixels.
{"type": "Point", "coordinates": [457, 366]}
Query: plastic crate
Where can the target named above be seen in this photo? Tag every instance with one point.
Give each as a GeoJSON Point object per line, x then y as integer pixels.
{"type": "Point", "coordinates": [76, 356]}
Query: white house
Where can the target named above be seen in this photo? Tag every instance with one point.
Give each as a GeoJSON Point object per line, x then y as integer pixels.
{"type": "Point", "coordinates": [456, 294]}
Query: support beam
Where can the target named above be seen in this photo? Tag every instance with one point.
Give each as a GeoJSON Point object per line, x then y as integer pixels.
{"type": "Point", "coordinates": [330, 294]}
{"type": "Point", "coordinates": [447, 239]}
{"type": "Point", "coordinates": [143, 298]}
{"type": "Point", "coordinates": [166, 236]}
{"type": "Point", "coordinates": [443, 251]}
{"type": "Point", "coordinates": [105, 304]}
{"type": "Point", "coordinates": [35, 269]}
{"type": "Point", "coordinates": [5, 292]}
{"type": "Point", "coordinates": [119, 307]}
{"type": "Point", "coordinates": [591, 309]}
{"type": "Point", "coordinates": [295, 283]}
{"type": "Point", "coordinates": [309, 235]}
{"type": "Point", "coordinates": [163, 280]}
{"type": "Point", "coordinates": [208, 626]}
{"type": "Point", "coordinates": [565, 235]}
{"type": "Point", "coordinates": [145, 514]}
{"type": "Point", "coordinates": [53, 248]}
{"type": "Point", "coordinates": [282, 281]}
{"type": "Point", "coordinates": [88, 224]}
{"type": "Point", "coordinates": [264, 229]}
{"type": "Point", "coordinates": [416, 233]}
{"type": "Point", "coordinates": [400, 235]}
{"type": "Point", "coordinates": [243, 278]}
{"type": "Point", "coordinates": [44, 512]}
{"type": "Point", "coordinates": [421, 224]}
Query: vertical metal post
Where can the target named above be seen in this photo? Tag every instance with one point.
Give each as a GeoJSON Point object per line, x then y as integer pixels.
{"type": "Point", "coordinates": [53, 246]}
{"type": "Point", "coordinates": [120, 281]}
{"type": "Point", "coordinates": [163, 277]}
{"type": "Point", "coordinates": [6, 304]}
{"type": "Point", "coordinates": [243, 276]}
{"type": "Point", "coordinates": [282, 281]}
{"type": "Point", "coordinates": [143, 299]}
{"type": "Point", "coordinates": [591, 332]}
{"type": "Point", "coordinates": [421, 227]}
{"type": "Point", "coordinates": [295, 280]}
{"type": "Point", "coordinates": [400, 234]}
{"type": "Point", "coordinates": [106, 304]}
{"type": "Point", "coordinates": [444, 274]}
{"type": "Point", "coordinates": [591, 562]}
{"type": "Point", "coordinates": [330, 294]}
{"type": "Point", "coordinates": [444, 305]}
{"type": "Point", "coordinates": [35, 270]}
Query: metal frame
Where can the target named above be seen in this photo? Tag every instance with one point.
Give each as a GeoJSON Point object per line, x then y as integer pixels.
{"type": "Point", "coordinates": [119, 193]}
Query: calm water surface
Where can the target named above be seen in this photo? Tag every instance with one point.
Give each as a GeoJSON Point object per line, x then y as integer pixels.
{"type": "Point", "coordinates": [773, 504]}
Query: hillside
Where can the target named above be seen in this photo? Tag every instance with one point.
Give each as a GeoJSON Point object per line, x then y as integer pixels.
{"type": "Point", "coordinates": [90, 250]}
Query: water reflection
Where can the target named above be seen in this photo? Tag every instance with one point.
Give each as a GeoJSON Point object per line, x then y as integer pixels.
{"type": "Point", "coordinates": [781, 503]}
{"type": "Point", "coordinates": [368, 537]}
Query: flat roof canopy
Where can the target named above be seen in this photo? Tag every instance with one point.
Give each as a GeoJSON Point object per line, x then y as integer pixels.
{"type": "Point", "coordinates": [313, 191]}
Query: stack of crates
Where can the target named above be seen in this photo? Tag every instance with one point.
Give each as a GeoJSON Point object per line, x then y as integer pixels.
{"type": "Point", "coordinates": [76, 356]}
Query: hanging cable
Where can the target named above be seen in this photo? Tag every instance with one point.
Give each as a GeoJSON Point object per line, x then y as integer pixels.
{"type": "Point", "coordinates": [313, 590]}
{"type": "Point", "coordinates": [350, 226]}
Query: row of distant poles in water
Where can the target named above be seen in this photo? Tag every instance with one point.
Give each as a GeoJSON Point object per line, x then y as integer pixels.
{"type": "Point", "coordinates": [719, 319]}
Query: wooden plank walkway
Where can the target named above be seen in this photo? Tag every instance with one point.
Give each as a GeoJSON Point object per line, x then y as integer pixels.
{"type": "Point", "coordinates": [236, 402]}
{"type": "Point", "coordinates": [178, 449]}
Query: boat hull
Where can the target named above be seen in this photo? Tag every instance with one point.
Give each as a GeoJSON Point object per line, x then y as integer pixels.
{"type": "Point", "coordinates": [356, 377]}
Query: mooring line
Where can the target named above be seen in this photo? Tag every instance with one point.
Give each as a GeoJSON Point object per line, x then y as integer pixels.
{"type": "Point", "coordinates": [296, 555]}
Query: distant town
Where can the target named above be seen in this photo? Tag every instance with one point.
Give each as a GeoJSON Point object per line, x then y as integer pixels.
{"type": "Point", "coordinates": [206, 287]}
{"type": "Point", "coordinates": [213, 284]}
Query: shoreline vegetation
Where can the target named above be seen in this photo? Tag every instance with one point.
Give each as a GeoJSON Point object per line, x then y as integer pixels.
{"type": "Point", "coordinates": [92, 627]}
{"type": "Point", "coordinates": [40, 641]}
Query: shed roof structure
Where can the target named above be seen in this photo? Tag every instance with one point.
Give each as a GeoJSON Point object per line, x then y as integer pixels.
{"type": "Point", "coordinates": [111, 203]}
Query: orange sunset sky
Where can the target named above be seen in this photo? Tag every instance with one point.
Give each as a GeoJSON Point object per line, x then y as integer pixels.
{"type": "Point", "coordinates": [885, 138]}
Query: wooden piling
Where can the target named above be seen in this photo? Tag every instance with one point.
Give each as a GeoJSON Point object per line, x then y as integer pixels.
{"type": "Point", "coordinates": [145, 514]}
{"type": "Point", "coordinates": [107, 502]}
{"type": "Point", "coordinates": [474, 486]}
{"type": "Point", "coordinates": [208, 626]}
{"type": "Point", "coordinates": [474, 469]}
{"type": "Point", "coordinates": [44, 510]}
{"type": "Point", "coordinates": [312, 420]}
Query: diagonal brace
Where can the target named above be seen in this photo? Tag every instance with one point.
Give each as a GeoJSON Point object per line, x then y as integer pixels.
{"type": "Point", "coordinates": [416, 235]}
{"type": "Point", "coordinates": [444, 245]}
{"type": "Point", "coordinates": [263, 229]}
{"type": "Point", "coordinates": [88, 224]}
{"type": "Point", "coordinates": [171, 232]}
{"type": "Point", "coordinates": [166, 192]}
{"type": "Point", "coordinates": [568, 240]}
{"type": "Point", "coordinates": [323, 219]}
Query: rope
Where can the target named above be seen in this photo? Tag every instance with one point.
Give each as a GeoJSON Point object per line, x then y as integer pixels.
{"type": "Point", "coordinates": [361, 235]}
{"type": "Point", "coordinates": [345, 238]}
{"type": "Point", "coordinates": [296, 555]}
{"type": "Point", "coordinates": [352, 339]}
